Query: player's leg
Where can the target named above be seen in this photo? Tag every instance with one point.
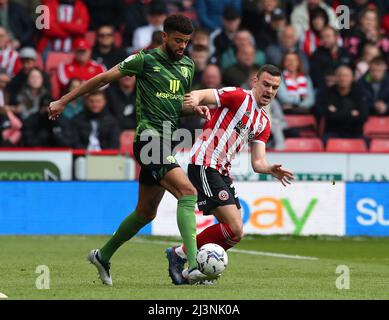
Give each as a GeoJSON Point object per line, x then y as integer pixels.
{"type": "Point", "coordinates": [149, 197]}
{"type": "Point", "coordinates": [177, 183]}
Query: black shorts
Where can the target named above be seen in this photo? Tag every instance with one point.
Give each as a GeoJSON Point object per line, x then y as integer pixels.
{"type": "Point", "coordinates": [156, 158]}
{"type": "Point", "coordinates": [213, 189]}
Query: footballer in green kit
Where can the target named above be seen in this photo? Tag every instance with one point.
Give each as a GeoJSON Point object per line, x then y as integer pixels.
{"type": "Point", "coordinates": [164, 75]}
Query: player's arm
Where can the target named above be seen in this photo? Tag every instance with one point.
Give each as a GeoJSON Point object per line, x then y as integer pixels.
{"type": "Point", "coordinates": [260, 164]}
{"type": "Point", "coordinates": [195, 103]}
{"type": "Point", "coordinates": [102, 79]}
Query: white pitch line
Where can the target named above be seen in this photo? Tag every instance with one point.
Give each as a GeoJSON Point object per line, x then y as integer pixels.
{"type": "Point", "coordinates": [252, 252]}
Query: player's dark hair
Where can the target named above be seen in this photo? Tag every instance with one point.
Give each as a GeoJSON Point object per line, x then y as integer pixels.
{"type": "Point", "coordinates": [179, 23]}
{"type": "Point", "coordinates": [271, 69]}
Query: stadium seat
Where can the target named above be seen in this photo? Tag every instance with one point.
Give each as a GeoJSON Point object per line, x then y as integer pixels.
{"type": "Point", "coordinates": [306, 123]}
{"type": "Point", "coordinates": [379, 145]}
{"type": "Point", "coordinates": [303, 144]}
{"type": "Point", "coordinates": [376, 127]}
{"type": "Point", "coordinates": [56, 58]}
{"type": "Point", "coordinates": [118, 39]}
{"type": "Point", "coordinates": [346, 145]}
{"type": "Point", "coordinates": [126, 141]}
{"type": "Point", "coordinates": [39, 62]}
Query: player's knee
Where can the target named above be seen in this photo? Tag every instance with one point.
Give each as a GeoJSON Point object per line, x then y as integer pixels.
{"type": "Point", "coordinates": [188, 190]}
{"type": "Point", "coordinates": [237, 230]}
{"type": "Point", "coordinates": [147, 212]}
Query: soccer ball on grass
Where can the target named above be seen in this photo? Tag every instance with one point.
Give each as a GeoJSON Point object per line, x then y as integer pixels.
{"type": "Point", "coordinates": [212, 259]}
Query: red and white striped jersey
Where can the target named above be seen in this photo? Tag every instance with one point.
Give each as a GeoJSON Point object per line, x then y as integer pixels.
{"type": "Point", "coordinates": [237, 120]}
{"type": "Point", "coordinates": [10, 61]}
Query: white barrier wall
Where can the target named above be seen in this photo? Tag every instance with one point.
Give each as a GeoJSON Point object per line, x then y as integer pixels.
{"type": "Point", "coordinates": [303, 208]}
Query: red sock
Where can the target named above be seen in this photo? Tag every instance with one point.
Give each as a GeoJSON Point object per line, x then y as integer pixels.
{"type": "Point", "coordinates": [219, 233]}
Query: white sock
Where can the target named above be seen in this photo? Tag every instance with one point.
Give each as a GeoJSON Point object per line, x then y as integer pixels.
{"type": "Point", "coordinates": [179, 250]}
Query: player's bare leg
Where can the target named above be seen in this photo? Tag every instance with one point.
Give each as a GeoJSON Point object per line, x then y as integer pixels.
{"type": "Point", "coordinates": [149, 198]}
{"type": "Point", "coordinates": [178, 184]}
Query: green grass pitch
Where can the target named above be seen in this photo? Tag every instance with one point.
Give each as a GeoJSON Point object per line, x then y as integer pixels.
{"type": "Point", "coordinates": [139, 269]}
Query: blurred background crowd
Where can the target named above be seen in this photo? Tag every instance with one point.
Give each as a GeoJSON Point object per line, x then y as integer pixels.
{"type": "Point", "coordinates": [334, 75]}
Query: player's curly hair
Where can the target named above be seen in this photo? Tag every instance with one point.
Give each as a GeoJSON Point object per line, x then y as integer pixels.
{"type": "Point", "coordinates": [179, 23]}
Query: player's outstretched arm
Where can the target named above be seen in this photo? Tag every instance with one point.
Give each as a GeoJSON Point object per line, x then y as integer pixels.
{"type": "Point", "coordinates": [200, 97]}
{"type": "Point", "coordinates": [102, 79]}
{"type": "Point", "coordinates": [260, 164]}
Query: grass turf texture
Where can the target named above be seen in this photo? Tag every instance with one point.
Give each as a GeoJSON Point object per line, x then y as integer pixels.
{"type": "Point", "coordinates": [139, 269]}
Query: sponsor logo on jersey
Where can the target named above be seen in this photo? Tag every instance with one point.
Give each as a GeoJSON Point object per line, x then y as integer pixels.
{"type": "Point", "coordinates": [223, 195]}
{"type": "Point", "coordinates": [167, 95]}
{"type": "Point", "coordinates": [174, 85]}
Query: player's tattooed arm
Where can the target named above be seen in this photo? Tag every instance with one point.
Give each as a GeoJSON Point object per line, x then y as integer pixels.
{"type": "Point", "coordinates": [260, 164]}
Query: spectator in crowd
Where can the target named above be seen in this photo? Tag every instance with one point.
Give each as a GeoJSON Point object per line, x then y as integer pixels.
{"type": "Point", "coordinates": [239, 73]}
{"type": "Point", "coordinates": [105, 12]}
{"type": "Point", "coordinates": [10, 125]}
{"type": "Point", "coordinates": [15, 19]}
{"type": "Point", "coordinates": [76, 106]}
{"type": "Point", "coordinates": [31, 107]}
{"type": "Point", "coordinates": [265, 23]}
{"type": "Point", "coordinates": [156, 40]}
{"type": "Point", "coordinates": [296, 93]}
{"type": "Point", "coordinates": [369, 52]}
{"type": "Point", "coordinates": [95, 128]}
{"type": "Point", "coordinates": [184, 7]}
{"type": "Point", "coordinates": [345, 107]}
{"type": "Point", "coordinates": [69, 20]}
{"type": "Point", "coordinates": [300, 15]}
{"type": "Point", "coordinates": [288, 42]}
{"type": "Point", "coordinates": [28, 58]}
{"type": "Point", "coordinates": [121, 101]}
{"type": "Point", "coordinates": [210, 12]}
{"type": "Point", "coordinates": [156, 15]}
{"type": "Point", "coordinates": [243, 38]}
{"type": "Point", "coordinates": [135, 16]}
{"type": "Point", "coordinates": [9, 57]}
{"type": "Point", "coordinates": [200, 55]}
{"type": "Point", "coordinates": [328, 56]}
{"type": "Point", "coordinates": [310, 39]}
{"type": "Point", "coordinates": [211, 77]}
{"type": "Point", "coordinates": [375, 87]}
{"type": "Point", "coordinates": [81, 67]}
{"type": "Point", "coordinates": [222, 38]}
{"type": "Point", "coordinates": [104, 51]}
{"type": "Point", "coordinates": [278, 125]}
{"type": "Point", "coordinates": [366, 30]}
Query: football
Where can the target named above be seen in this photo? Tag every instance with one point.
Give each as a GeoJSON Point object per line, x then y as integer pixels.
{"type": "Point", "coordinates": [212, 259]}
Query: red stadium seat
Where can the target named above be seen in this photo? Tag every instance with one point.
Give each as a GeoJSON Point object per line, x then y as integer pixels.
{"type": "Point", "coordinates": [118, 39]}
{"type": "Point", "coordinates": [376, 127]}
{"type": "Point", "coordinates": [56, 58]}
{"type": "Point", "coordinates": [306, 123]}
{"type": "Point", "coordinates": [39, 62]}
{"type": "Point", "coordinates": [303, 144]}
{"type": "Point", "coordinates": [346, 145]}
{"type": "Point", "coordinates": [126, 140]}
{"type": "Point", "coordinates": [379, 145]}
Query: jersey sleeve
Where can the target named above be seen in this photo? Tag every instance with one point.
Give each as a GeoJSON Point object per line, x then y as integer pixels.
{"type": "Point", "coordinates": [229, 97]}
{"type": "Point", "coordinates": [133, 65]}
{"type": "Point", "coordinates": [264, 135]}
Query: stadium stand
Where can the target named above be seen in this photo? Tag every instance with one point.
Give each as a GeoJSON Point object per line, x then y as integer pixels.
{"type": "Point", "coordinates": [303, 144]}
{"type": "Point", "coordinates": [346, 145]}
{"type": "Point", "coordinates": [376, 127]}
{"type": "Point", "coordinates": [305, 123]}
{"type": "Point", "coordinates": [126, 142]}
{"type": "Point", "coordinates": [379, 145]}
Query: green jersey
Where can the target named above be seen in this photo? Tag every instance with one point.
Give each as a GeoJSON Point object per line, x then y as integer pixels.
{"type": "Point", "coordinates": [160, 88]}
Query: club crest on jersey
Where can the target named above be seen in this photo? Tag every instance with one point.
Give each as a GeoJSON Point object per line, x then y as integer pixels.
{"type": "Point", "coordinates": [223, 195]}
{"type": "Point", "coordinates": [185, 72]}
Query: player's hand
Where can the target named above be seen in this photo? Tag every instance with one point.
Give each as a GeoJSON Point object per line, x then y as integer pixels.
{"type": "Point", "coordinates": [203, 112]}
{"type": "Point", "coordinates": [55, 109]}
{"type": "Point", "coordinates": [191, 100]}
{"type": "Point", "coordinates": [284, 176]}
